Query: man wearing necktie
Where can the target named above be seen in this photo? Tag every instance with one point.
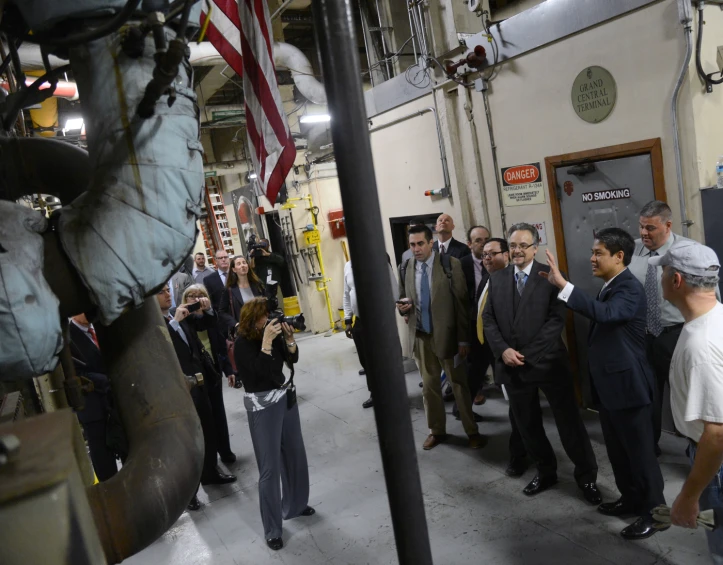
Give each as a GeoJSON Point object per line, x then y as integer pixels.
{"type": "Point", "coordinates": [622, 381]}
{"type": "Point", "coordinates": [523, 322]}
{"type": "Point", "coordinates": [434, 303]}
{"type": "Point", "coordinates": [89, 364]}
{"type": "Point", "coordinates": [664, 322]}
{"type": "Point", "coordinates": [496, 256]}
{"type": "Point", "coordinates": [188, 349]}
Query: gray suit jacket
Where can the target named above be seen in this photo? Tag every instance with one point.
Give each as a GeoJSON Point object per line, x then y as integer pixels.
{"type": "Point", "coordinates": [180, 282]}
{"type": "Point", "coordinates": [450, 322]}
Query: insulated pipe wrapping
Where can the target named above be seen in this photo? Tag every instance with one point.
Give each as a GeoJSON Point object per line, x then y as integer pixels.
{"type": "Point", "coordinates": [289, 57]}
{"type": "Point", "coordinates": [30, 334]}
{"type": "Point", "coordinates": [137, 222]}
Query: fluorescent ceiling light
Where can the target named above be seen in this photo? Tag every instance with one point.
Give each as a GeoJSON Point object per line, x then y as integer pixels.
{"type": "Point", "coordinates": [315, 118]}
{"type": "Point", "coordinates": [252, 176]}
{"type": "Point", "coordinates": [73, 124]}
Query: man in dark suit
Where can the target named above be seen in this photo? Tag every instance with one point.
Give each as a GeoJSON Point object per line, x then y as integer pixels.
{"type": "Point", "coordinates": [215, 283]}
{"type": "Point", "coordinates": [94, 417]}
{"type": "Point", "coordinates": [188, 350]}
{"type": "Point", "coordinates": [523, 322]}
{"type": "Point", "coordinates": [623, 382]}
{"type": "Point", "coordinates": [476, 276]}
{"type": "Point", "coordinates": [446, 244]}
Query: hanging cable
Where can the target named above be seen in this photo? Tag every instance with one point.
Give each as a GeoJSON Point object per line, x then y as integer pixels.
{"type": "Point", "coordinates": [706, 78]}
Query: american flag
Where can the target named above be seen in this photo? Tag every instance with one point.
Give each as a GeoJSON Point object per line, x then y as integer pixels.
{"type": "Point", "coordinates": [240, 31]}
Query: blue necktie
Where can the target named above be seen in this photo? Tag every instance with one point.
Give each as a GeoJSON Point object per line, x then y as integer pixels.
{"type": "Point", "coordinates": [426, 302]}
{"type": "Point", "coordinates": [521, 280]}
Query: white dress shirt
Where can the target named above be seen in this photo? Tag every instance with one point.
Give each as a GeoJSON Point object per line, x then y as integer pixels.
{"type": "Point", "coordinates": [223, 276]}
{"type": "Point", "coordinates": [444, 246]}
{"type": "Point", "coordinates": [566, 292]}
{"type": "Point", "coordinates": [527, 270]}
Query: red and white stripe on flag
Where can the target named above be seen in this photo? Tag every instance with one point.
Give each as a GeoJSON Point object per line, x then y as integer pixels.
{"type": "Point", "coordinates": [240, 31]}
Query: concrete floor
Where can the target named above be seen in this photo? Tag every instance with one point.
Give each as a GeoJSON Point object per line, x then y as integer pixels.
{"type": "Point", "coordinates": [475, 513]}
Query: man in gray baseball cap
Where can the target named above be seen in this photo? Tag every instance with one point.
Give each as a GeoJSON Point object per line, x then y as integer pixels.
{"type": "Point", "coordinates": [690, 279]}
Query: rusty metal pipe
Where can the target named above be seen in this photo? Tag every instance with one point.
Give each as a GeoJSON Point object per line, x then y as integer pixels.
{"type": "Point", "coordinates": [164, 463]}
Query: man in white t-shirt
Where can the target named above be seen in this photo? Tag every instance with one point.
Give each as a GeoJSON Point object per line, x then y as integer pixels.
{"type": "Point", "coordinates": [690, 279]}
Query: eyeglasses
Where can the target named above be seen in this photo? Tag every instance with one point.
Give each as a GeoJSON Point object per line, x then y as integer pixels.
{"type": "Point", "coordinates": [523, 246]}
{"type": "Point", "coordinates": [199, 296]}
{"type": "Point", "coordinates": [491, 254]}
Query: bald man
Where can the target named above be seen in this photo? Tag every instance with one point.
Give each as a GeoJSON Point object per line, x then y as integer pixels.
{"type": "Point", "coordinates": [445, 243]}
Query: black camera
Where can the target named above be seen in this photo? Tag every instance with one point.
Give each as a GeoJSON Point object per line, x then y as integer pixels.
{"type": "Point", "coordinates": [256, 247]}
{"type": "Point", "coordinates": [296, 322]}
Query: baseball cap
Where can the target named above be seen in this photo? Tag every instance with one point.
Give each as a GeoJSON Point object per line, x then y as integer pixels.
{"type": "Point", "coordinates": [689, 257]}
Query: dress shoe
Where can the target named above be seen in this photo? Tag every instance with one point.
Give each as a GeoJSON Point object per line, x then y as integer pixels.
{"type": "Point", "coordinates": [539, 484]}
{"type": "Point", "coordinates": [480, 399]}
{"type": "Point", "coordinates": [591, 493]}
{"type": "Point", "coordinates": [218, 478]}
{"type": "Point", "coordinates": [195, 504]}
{"type": "Point", "coordinates": [642, 528]}
{"type": "Point", "coordinates": [617, 508]}
{"type": "Point", "coordinates": [477, 441]}
{"type": "Point", "coordinates": [448, 396]}
{"type": "Point", "coordinates": [477, 417]}
{"type": "Point", "coordinates": [229, 457]}
{"type": "Point", "coordinates": [308, 511]}
{"type": "Point", "coordinates": [362, 372]}
{"type": "Point", "coordinates": [433, 441]}
{"type": "Point", "coordinates": [368, 403]}
{"type": "Point", "coordinates": [275, 543]}
{"type": "Point", "coordinates": [516, 468]}
{"type": "Point", "coordinates": [421, 385]}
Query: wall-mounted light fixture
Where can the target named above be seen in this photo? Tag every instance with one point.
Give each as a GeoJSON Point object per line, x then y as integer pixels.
{"type": "Point", "coordinates": [315, 118]}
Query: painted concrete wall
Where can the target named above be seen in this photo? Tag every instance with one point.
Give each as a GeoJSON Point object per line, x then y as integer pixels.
{"type": "Point", "coordinates": [534, 118]}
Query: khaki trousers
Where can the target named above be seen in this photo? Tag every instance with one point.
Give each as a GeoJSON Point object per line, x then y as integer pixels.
{"type": "Point", "coordinates": [431, 368]}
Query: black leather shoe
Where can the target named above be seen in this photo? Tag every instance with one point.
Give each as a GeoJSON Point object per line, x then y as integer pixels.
{"type": "Point", "coordinates": [539, 484]}
{"type": "Point", "coordinates": [617, 508]}
{"type": "Point", "coordinates": [362, 372]}
{"type": "Point", "coordinates": [218, 479]}
{"type": "Point", "coordinates": [421, 385]}
{"type": "Point", "coordinates": [195, 504]}
{"type": "Point", "coordinates": [275, 543]}
{"type": "Point", "coordinates": [368, 403]}
{"type": "Point", "coordinates": [308, 511]}
{"type": "Point", "coordinates": [477, 417]}
{"type": "Point", "coordinates": [448, 397]}
{"type": "Point", "coordinates": [642, 528]}
{"type": "Point", "coordinates": [516, 468]}
{"type": "Point", "coordinates": [229, 457]}
{"type": "Point", "coordinates": [591, 493]}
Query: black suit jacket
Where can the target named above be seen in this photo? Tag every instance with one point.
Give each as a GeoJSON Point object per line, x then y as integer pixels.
{"type": "Point", "coordinates": [535, 330]}
{"type": "Point", "coordinates": [215, 287]}
{"type": "Point", "coordinates": [474, 291]}
{"type": "Point", "coordinates": [455, 248]}
{"type": "Point", "coordinates": [618, 364]}
{"type": "Point", "coordinates": [88, 363]}
{"type": "Point", "coordinates": [228, 312]}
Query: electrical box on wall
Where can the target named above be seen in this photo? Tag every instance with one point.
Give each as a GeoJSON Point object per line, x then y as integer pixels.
{"type": "Point", "coordinates": [336, 222]}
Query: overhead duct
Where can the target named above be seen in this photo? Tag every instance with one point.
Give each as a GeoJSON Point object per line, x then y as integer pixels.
{"type": "Point", "coordinates": [286, 57]}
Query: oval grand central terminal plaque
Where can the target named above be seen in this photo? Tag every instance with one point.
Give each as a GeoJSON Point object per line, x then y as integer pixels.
{"type": "Point", "coordinates": [594, 93]}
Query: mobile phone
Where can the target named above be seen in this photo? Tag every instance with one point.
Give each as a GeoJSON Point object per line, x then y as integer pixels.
{"type": "Point", "coordinates": [404, 301]}
{"type": "Point", "coordinates": [193, 307]}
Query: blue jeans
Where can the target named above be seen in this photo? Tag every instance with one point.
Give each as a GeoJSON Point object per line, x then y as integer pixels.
{"type": "Point", "coordinates": [712, 498]}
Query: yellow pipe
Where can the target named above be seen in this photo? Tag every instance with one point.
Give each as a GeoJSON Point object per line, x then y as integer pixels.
{"type": "Point", "coordinates": [323, 280]}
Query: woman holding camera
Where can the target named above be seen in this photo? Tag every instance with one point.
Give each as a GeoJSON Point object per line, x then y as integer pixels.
{"type": "Point", "coordinates": [262, 348]}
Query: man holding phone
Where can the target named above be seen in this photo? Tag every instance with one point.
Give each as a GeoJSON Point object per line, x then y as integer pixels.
{"type": "Point", "coordinates": [435, 305]}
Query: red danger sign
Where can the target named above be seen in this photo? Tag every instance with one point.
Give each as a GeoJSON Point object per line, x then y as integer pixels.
{"type": "Point", "coordinates": [521, 174]}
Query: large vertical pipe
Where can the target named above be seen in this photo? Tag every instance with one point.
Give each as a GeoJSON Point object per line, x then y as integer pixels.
{"type": "Point", "coordinates": [336, 37]}
{"type": "Point", "coordinates": [161, 473]}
